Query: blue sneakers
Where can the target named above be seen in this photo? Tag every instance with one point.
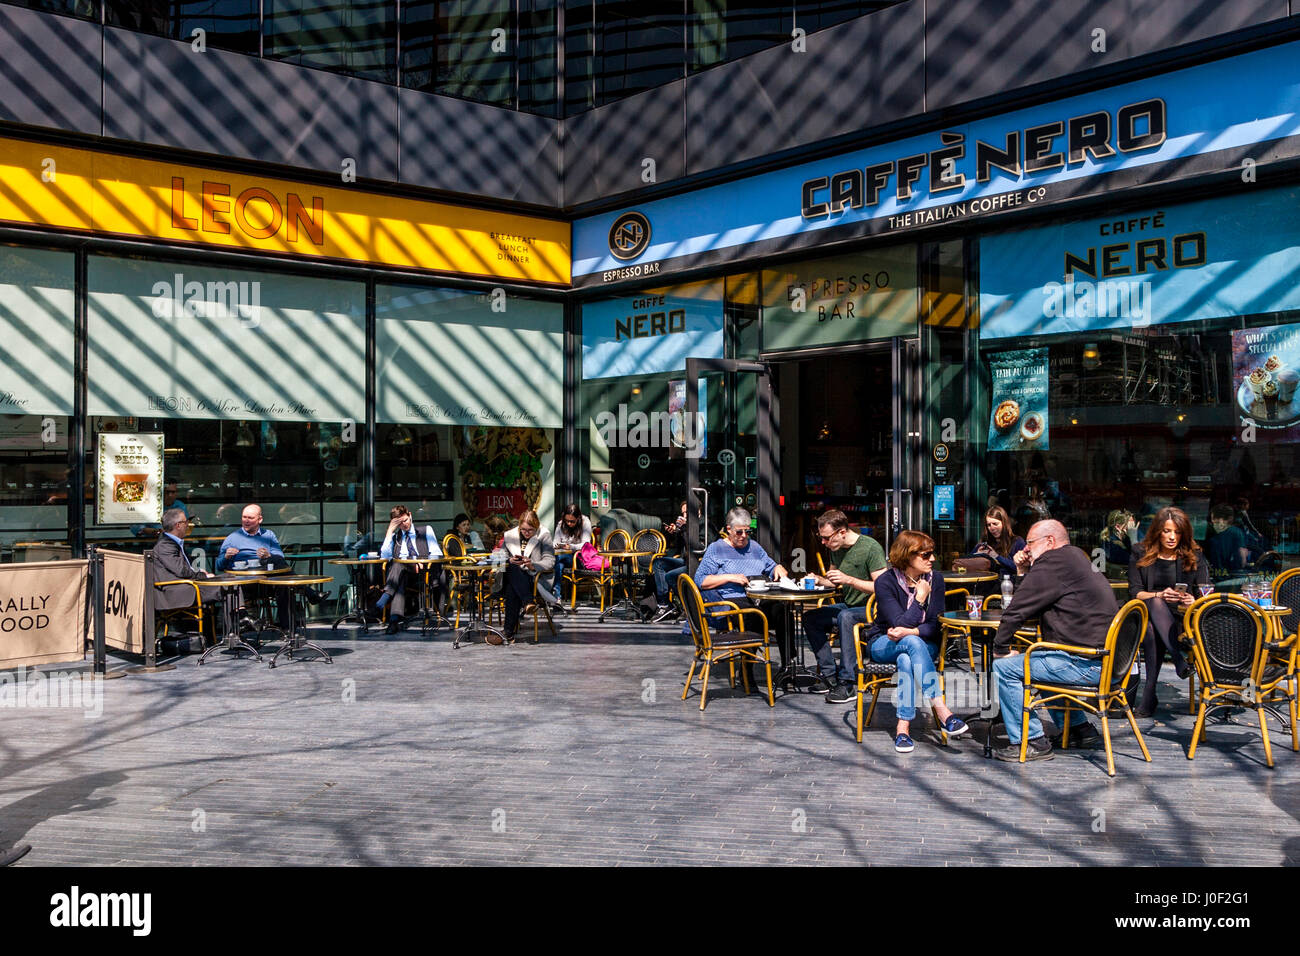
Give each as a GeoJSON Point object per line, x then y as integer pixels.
{"type": "Point", "coordinates": [954, 726]}
{"type": "Point", "coordinates": [903, 744]}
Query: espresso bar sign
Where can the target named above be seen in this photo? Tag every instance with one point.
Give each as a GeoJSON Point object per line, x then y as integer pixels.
{"type": "Point", "coordinates": [129, 478]}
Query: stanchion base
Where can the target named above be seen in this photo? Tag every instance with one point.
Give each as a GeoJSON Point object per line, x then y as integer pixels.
{"type": "Point", "coordinates": [113, 675]}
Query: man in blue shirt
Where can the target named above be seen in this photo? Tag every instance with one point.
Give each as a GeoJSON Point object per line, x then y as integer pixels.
{"type": "Point", "coordinates": [403, 541]}
{"type": "Point", "coordinates": [253, 546]}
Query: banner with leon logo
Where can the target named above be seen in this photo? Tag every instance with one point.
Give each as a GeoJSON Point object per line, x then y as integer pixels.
{"type": "Point", "coordinates": [42, 612]}
{"type": "Point", "coordinates": [124, 584]}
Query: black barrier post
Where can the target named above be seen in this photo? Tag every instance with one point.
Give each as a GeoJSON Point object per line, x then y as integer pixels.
{"type": "Point", "coordinates": [96, 567]}
{"type": "Point", "coordinates": [149, 632]}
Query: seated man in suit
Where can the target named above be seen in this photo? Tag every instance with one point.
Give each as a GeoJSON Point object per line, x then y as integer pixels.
{"type": "Point", "coordinates": [402, 541]}
{"type": "Point", "coordinates": [172, 564]}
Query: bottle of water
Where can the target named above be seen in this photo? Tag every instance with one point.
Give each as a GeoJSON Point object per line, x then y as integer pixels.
{"type": "Point", "coordinates": [1008, 589]}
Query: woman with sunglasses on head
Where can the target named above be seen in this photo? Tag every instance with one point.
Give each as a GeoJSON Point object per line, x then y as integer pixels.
{"type": "Point", "coordinates": [906, 632]}
{"type": "Point", "coordinates": [1167, 557]}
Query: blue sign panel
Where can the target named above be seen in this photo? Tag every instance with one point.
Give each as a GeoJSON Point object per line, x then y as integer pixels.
{"type": "Point", "coordinates": [1232, 256]}
{"type": "Point", "coordinates": [652, 331]}
{"type": "Point", "coordinates": [993, 165]}
{"type": "Point", "coordinates": [945, 502]}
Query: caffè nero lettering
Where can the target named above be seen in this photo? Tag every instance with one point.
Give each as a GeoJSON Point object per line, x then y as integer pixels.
{"type": "Point", "coordinates": [649, 324]}
{"type": "Point", "coordinates": [1048, 146]}
{"type": "Point", "coordinates": [256, 212]}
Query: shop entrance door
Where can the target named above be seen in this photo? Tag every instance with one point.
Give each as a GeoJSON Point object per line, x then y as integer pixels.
{"type": "Point", "coordinates": [732, 458]}
{"type": "Point", "coordinates": [902, 510]}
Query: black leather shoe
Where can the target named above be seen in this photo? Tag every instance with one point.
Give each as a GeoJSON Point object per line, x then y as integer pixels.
{"type": "Point", "coordinates": [1038, 749]}
{"type": "Point", "coordinates": [14, 854]}
{"type": "Point", "coordinates": [1083, 735]}
{"type": "Point", "coordinates": [395, 623]}
{"type": "Point", "coordinates": [314, 596]}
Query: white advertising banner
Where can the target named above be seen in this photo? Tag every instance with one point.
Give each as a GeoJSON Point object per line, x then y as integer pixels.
{"type": "Point", "coordinates": [42, 612]}
{"type": "Point", "coordinates": [183, 341]}
{"type": "Point", "coordinates": [129, 478]}
{"type": "Point", "coordinates": [447, 357]}
{"type": "Point", "coordinates": [36, 331]}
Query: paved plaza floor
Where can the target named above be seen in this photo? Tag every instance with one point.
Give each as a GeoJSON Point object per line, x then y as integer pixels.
{"type": "Point", "coordinates": [579, 751]}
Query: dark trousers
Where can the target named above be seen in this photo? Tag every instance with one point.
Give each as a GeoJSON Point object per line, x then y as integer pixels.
{"type": "Point", "coordinates": [402, 576]}
{"type": "Point", "coordinates": [517, 587]}
{"type": "Point", "coordinates": [818, 623]}
{"type": "Point", "coordinates": [1162, 634]}
{"type": "Point", "coordinates": [667, 570]}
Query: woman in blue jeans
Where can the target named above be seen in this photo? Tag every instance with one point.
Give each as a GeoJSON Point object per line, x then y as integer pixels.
{"type": "Point", "coordinates": [906, 632]}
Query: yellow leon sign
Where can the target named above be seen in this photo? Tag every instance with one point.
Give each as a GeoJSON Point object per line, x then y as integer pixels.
{"type": "Point", "coordinates": [71, 188]}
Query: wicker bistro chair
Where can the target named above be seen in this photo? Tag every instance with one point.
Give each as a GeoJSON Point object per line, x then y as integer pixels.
{"type": "Point", "coordinates": [714, 647]}
{"type": "Point", "coordinates": [1123, 641]}
{"type": "Point", "coordinates": [192, 613]}
{"type": "Point", "coordinates": [603, 580]}
{"type": "Point", "coordinates": [460, 583]}
{"type": "Point", "coordinates": [874, 677]}
{"type": "Point", "coordinates": [649, 544]}
{"type": "Point", "coordinates": [1238, 665]}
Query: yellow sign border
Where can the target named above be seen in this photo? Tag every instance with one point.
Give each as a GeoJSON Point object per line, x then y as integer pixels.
{"type": "Point", "coordinates": [104, 193]}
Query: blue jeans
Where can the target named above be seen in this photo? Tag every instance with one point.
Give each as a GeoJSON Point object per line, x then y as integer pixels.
{"type": "Point", "coordinates": [915, 661]}
{"type": "Point", "coordinates": [817, 624]}
{"type": "Point", "coordinates": [849, 618]}
{"type": "Point", "coordinates": [1009, 673]}
{"type": "Point", "coordinates": [667, 570]}
{"type": "Point", "coordinates": [563, 561]}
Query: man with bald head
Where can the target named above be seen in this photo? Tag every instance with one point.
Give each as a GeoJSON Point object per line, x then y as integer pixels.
{"type": "Point", "coordinates": [1076, 605]}
{"type": "Point", "coordinates": [250, 548]}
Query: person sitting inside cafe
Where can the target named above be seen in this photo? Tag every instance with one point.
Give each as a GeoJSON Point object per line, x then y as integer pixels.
{"type": "Point", "coordinates": [996, 551]}
{"type": "Point", "coordinates": [1119, 539]}
{"type": "Point", "coordinates": [402, 542]}
{"type": "Point", "coordinates": [171, 563]}
{"type": "Point", "coordinates": [463, 528]}
{"type": "Point", "coordinates": [252, 547]}
{"type": "Point", "coordinates": [728, 563]}
{"type": "Point", "coordinates": [906, 633]}
{"type": "Point", "coordinates": [666, 568]}
{"type": "Point", "coordinates": [856, 561]}
{"type": "Point", "coordinates": [1166, 573]}
{"type": "Point", "coordinates": [1076, 606]}
{"type": "Point", "coordinates": [572, 531]}
{"type": "Point", "coordinates": [1228, 551]}
{"type": "Point", "coordinates": [530, 557]}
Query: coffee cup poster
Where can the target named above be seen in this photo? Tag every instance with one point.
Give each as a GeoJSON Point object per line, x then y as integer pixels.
{"type": "Point", "coordinates": [130, 478]}
{"type": "Point", "coordinates": [1265, 375]}
{"type": "Point", "coordinates": [1018, 420]}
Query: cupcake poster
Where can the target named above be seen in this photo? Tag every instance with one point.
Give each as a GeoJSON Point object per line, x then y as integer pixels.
{"type": "Point", "coordinates": [1018, 418]}
{"type": "Point", "coordinates": [1266, 373]}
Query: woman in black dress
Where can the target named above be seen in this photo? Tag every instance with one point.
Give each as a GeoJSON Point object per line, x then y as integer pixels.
{"type": "Point", "coordinates": [1165, 573]}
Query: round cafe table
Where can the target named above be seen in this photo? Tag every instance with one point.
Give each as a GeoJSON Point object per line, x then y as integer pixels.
{"type": "Point", "coordinates": [357, 574]}
{"type": "Point", "coordinates": [295, 640]}
{"type": "Point", "coordinates": [228, 587]}
{"type": "Point", "coordinates": [623, 559]}
{"type": "Point", "coordinates": [982, 629]}
{"type": "Point", "coordinates": [969, 577]}
{"type": "Point", "coordinates": [793, 602]}
{"type": "Point", "coordinates": [480, 592]}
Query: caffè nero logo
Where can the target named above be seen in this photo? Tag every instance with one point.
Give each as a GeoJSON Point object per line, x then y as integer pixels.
{"type": "Point", "coordinates": [629, 235]}
{"type": "Point", "coordinates": [177, 298]}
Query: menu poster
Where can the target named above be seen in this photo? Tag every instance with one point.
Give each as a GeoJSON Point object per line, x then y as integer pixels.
{"type": "Point", "coordinates": [685, 438]}
{"type": "Point", "coordinates": [1019, 418]}
{"type": "Point", "coordinates": [129, 478]}
{"type": "Point", "coordinates": [1265, 373]}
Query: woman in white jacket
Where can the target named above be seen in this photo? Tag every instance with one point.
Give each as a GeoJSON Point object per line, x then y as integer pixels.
{"type": "Point", "coordinates": [529, 556]}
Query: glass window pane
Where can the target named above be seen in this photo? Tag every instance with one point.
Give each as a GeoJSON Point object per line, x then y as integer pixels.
{"type": "Point", "coordinates": [227, 24]}
{"type": "Point", "coordinates": [357, 37]}
{"type": "Point", "coordinates": [83, 9]}
{"type": "Point", "coordinates": [639, 45]}
{"type": "Point", "coordinates": [36, 398]}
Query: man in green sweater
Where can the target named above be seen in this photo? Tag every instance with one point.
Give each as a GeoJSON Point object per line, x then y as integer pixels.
{"type": "Point", "coordinates": [856, 561]}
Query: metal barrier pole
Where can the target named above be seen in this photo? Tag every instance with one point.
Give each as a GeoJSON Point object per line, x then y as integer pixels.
{"type": "Point", "coordinates": [95, 564]}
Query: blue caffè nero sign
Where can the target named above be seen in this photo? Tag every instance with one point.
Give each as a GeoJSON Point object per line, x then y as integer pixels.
{"type": "Point", "coordinates": [1236, 255]}
{"type": "Point", "coordinates": [1179, 124]}
{"type": "Point", "coordinates": [652, 331]}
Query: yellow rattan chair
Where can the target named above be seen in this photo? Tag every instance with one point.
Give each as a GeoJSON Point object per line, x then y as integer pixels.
{"type": "Point", "coordinates": [1239, 665]}
{"type": "Point", "coordinates": [192, 613]}
{"type": "Point", "coordinates": [1123, 641]}
{"type": "Point", "coordinates": [874, 676]}
{"type": "Point", "coordinates": [460, 583]}
{"type": "Point", "coordinates": [602, 580]}
{"type": "Point", "coordinates": [731, 645]}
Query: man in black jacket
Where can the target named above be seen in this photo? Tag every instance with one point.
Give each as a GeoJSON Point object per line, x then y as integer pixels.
{"type": "Point", "coordinates": [1076, 605]}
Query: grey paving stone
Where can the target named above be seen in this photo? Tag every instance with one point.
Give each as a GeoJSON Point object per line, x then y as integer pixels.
{"type": "Point", "coordinates": [408, 752]}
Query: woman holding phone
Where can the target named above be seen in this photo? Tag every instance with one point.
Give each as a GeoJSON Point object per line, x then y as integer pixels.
{"type": "Point", "coordinates": [1166, 573]}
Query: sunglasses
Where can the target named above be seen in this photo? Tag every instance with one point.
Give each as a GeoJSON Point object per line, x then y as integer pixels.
{"type": "Point", "coordinates": [738, 531]}
{"type": "Point", "coordinates": [925, 555]}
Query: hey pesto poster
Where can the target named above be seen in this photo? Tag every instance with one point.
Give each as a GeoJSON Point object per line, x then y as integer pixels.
{"type": "Point", "coordinates": [1018, 419]}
